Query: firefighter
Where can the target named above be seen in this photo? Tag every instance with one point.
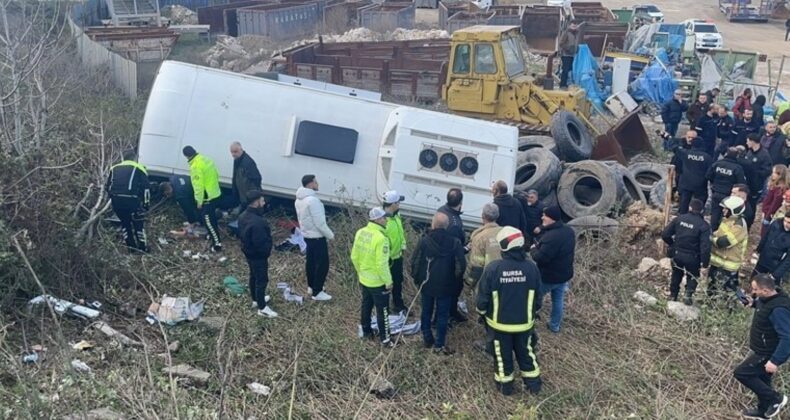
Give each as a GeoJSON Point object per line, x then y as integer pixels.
{"type": "Point", "coordinates": [507, 302]}
{"type": "Point", "coordinates": [129, 194]}
{"type": "Point", "coordinates": [688, 237]}
{"type": "Point", "coordinates": [483, 246]}
{"type": "Point", "coordinates": [729, 246]}
{"type": "Point", "coordinates": [370, 255]}
{"type": "Point", "coordinates": [394, 231]}
{"type": "Point", "coordinates": [205, 183]}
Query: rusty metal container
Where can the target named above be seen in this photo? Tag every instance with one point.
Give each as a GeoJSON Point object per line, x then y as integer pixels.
{"type": "Point", "coordinates": [387, 16]}
{"type": "Point", "coordinates": [597, 35]}
{"type": "Point", "coordinates": [279, 21]}
{"type": "Point", "coordinates": [541, 27]}
{"type": "Point", "coordinates": [217, 18]}
{"type": "Point", "coordinates": [139, 44]}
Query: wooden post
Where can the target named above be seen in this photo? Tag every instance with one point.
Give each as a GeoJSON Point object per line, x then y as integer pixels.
{"type": "Point", "coordinates": [667, 203]}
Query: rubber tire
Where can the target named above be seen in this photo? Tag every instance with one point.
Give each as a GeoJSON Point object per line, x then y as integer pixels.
{"type": "Point", "coordinates": [647, 174]}
{"type": "Point", "coordinates": [568, 189]}
{"type": "Point", "coordinates": [549, 199]}
{"type": "Point", "coordinates": [547, 171]}
{"type": "Point", "coordinates": [532, 142]}
{"type": "Point", "coordinates": [573, 139]}
{"type": "Point", "coordinates": [658, 194]}
{"type": "Point", "coordinates": [600, 226]}
{"type": "Point", "coordinates": [628, 191]}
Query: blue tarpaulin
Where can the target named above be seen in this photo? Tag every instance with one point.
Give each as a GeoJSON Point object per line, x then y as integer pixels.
{"type": "Point", "coordinates": [677, 35]}
{"type": "Point", "coordinates": [656, 84]}
{"type": "Point", "coordinates": [584, 74]}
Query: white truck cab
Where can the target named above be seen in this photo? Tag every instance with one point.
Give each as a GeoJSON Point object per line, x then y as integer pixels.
{"type": "Point", "coordinates": [706, 34]}
{"type": "Point", "coordinates": [358, 146]}
{"type": "Point", "coordinates": [649, 12]}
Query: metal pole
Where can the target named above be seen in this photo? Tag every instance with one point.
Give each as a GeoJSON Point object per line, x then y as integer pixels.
{"type": "Point", "coordinates": [667, 202]}
{"type": "Point", "coordinates": [778, 78]}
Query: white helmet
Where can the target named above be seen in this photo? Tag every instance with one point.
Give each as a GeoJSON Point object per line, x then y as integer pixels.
{"type": "Point", "coordinates": [734, 204]}
{"type": "Point", "coordinates": [510, 238]}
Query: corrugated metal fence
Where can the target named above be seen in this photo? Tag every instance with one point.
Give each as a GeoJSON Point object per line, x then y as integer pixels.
{"type": "Point", "coordinates": [123, 72]}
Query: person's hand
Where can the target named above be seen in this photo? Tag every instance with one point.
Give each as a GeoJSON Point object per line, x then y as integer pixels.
{"type": "Point", "coordinates": [770, 367]}
{"type": "Point", "coordinates": [536, 231]}
{"type": "Point", "coordinates": [749, 301]}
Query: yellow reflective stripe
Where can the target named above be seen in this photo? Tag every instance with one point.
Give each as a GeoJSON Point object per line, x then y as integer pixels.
{"type": "Point", "coordinates": [536, 369]}
{"type": "Point", "coordinates": [495, 314]}
{"type": "Point", "coordinates": [131, 163]}
{"type": "Point", "coordinates": [729, 234]}
{"type": "Point", "coordinates": [725, 264]}
{"type": "Point", "coordinates": [499, 375]}
{"type": "Point", "coordinates": [509, 328]}
{"type": "Point", "coordinates": [530, 300]}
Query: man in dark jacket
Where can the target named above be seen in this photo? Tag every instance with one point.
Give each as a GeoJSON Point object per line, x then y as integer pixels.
{"type": "Point", "coordinates": [724, 129]}
{"type": "Point", "coordinates": [129, 194]}
{"type": "Point", "coordinates": [569, 46]}
{"type": "Point", "coordinates": [773, 140]}
{"type": "Point", "coordinates": [744, 127]}
{"type": "Point", "coordinates": [769, 342]}
{"type": "Point", "coordinates": [533, 211]}
{"type": "Point", "coordinates": [246, 176]}
{"type": "Point", "coordinates": [438, 265]}
{"type": "Point", "coordinates": [694, 164]}
{"type": "Point", "coordinates": [757, 165]}
{"type": "Point", "coordinates": [256, 243]}
{"type": "Point", "coordinates": [742, 190]}
{"type": "Point", "coordinates": [179, 187]}
{"type": "Point", "coordinates": [697, 109]}
{"type": "Point", "coordinates": [723, 175]}
{"type": "Point", "coordinates": [510, 211]}
{"type": "Point", "coordinates": [688, 237]}
{"type": "Point", "coordinates": [506, 302]}
{"type": "Point", "coordinates": [672, 112]}
{"type": "Point", "coordinates": [707, 128]}
{"type": "Point", "coordinates": [774, 248]}
{"type": "Point", "coordinates": [452, 209]}
{"type": "Point", "coordinates": [554, 254]}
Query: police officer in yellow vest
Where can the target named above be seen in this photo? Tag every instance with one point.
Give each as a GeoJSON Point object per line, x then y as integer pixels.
{"type": "Point", "coordinates": [129, 193]}
{"type": "Point", "coordinates": [729, 245]}
{"type": "Point", "coordinates": [205, 184]}
{"type": "Point", "coordinates": [370, 255]}
{"type": "Point", "coordinates": [506, 299]}
{"type": "Point", "coordinates": [394, 231]}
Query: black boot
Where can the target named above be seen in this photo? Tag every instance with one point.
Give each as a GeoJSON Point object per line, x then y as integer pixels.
{"type": "Point", "coordinates": [687, 300]}
{"type": "Point", "coordinates": [505, 388]}
{"type": "Point", "coordinates": [533, 385]}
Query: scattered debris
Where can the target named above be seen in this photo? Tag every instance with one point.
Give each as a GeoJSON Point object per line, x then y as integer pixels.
{"type": "Point", "coordinates": [222, 260]}
{"type": "Point", "coordinates": [162, 241]}
{"type": "Point", "coordinates": [30, 358]}
{"type": "Point", "coordinates": [682, 312]}
{"type": "Point", "coordinates": [380, 387]}
{"type": "Point", "coordinates": [80, 366]}
{"type": "Point", "coordinates": [288, 295]}
{"type": "Point", "coordinates": [129, 309]}
{"type": "Point", "coordinates": [187, 253]}
{"type": "Point", "coordinates": [186, 371]}
{"type": "Point", "coordinates": [104, 413]}
{"type": "Point", "coordinates": [646, 265]}
{"type": "Point", "coordinates": [83, 345]}
{"type": "Point", "coordinates": [233, 286]}
{"type": "Point", "coordinates": [38, 348]}
{"type": "Point", "coordinates": [645, 298]}
{"type": "Point", "coordinates": [63, 306]}
{"type": "Point", "coordinates": [173, 310]}
{"type": "Point", "coordinates": [259, 389]}
{"type": "Point", "coordinates": [115, 334]}
{"type": "Point", "coordinates": [398, 325]}
{"type": "Point", "coordinates": [180, 15]}
{"type": "Point", "coordinates": [213, 322]}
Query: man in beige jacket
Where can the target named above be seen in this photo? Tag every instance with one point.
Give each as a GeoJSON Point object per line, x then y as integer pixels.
{"type": "Point", "coordinates": [483, 247]}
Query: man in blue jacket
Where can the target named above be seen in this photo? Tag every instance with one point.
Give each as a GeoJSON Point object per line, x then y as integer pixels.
{"type": "Point", "coordinates": [672, 113]}
{"type": "Point", "coordinates": [554, 253]}
{"type": "Point", "coordinates": [769, 342]}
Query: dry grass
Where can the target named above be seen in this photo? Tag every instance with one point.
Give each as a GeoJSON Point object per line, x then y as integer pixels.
{"type": "Point", "coordinates": [612, 359]}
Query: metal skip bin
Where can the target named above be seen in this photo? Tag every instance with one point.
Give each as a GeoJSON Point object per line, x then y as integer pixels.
{"type": "Point", "coordinates": [624, 140]}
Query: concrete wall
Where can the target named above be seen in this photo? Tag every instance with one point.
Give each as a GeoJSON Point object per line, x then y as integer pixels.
{"type": "Point", "coordinates": [122, 71]}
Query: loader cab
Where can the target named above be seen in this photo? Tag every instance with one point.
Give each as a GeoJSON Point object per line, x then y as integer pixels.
{"type": "Point", "coordinates": [482, 59]}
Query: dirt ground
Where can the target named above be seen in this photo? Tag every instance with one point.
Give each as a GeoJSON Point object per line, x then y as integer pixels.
{"type": "Point", "coordinates": [766, 38]}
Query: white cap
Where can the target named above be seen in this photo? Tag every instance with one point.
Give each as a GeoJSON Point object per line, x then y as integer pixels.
{"type": "Point", "coordinates": [376, 213]}
{"type": "Point", "coordinates": [391, 197]}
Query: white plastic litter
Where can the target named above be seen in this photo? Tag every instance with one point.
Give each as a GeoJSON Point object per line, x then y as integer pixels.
{"type": "Point", "coordinates": [80, 366]}
{"type": "Point", "coordinates": [288, 295]}
{"type": "Point", "coordinates": [297, 238]}
{"type": "Point", "coordinates": [259, 389]}
{"type": "Point", "coordinates": [63, 306]}
{"type": "Point", "coordinates": [398, 325]}
{"type": "Point", "coordinates": [162, 241]}
{"type": "Point", "coordinates": [462, 306]}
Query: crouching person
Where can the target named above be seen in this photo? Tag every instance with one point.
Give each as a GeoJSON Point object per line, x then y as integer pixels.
{"type": "Point", "coordinates": [438, 266]}
{"type": "Point", "coordinates": [506, 298]}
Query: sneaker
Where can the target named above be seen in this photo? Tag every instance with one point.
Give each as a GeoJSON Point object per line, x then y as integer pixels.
{"type": "Point", "coordinates": [309, 290]}
{"type": "Point", "coordinates": [255, 304]}
{"type": "Point", "coordinates": [322, 296]}
{"type": "Point", "coordinates": [774, 409]}
{"type": "Point", "coordinates": [389, 344]}
{"type": "Point", "coordinates": [443, 350]}
{"type": "Point", "coordinates": [267, 312]}
{"type": "Point", "coordinates": [753, 413]}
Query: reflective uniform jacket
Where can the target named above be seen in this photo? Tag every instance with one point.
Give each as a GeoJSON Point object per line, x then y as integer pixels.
{"type": "Point", "coordinates": [128, 185]}
{"type": "Point", "coordinates": [483, 249]}
{"type": "Point", "coordinates": [507, 293]}
{"type": "Point", "coordinates": [371, 256]}
{"type": "Point", "coordinates": [205, 179]}
{"type": "Point", "coordinates": [729, 244]}
{"type": "Point", "coordinates": [396, 236]}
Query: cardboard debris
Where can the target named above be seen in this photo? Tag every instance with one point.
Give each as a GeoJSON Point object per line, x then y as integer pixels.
{"type": "Point", "coordinates": [172, 310]}
{"type": "Point", "coordinates": [188, 372]}
{"type": "Point", "coordinates": [83, 345]}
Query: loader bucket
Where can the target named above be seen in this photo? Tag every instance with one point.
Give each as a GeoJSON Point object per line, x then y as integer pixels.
{"type": "Point", "coordinates": [625, 140]}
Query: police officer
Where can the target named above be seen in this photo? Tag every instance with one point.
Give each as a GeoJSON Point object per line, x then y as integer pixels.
{"type": "Point", "coordinates": [724, 129]}
{"type": "Point", "coordinates": [723, 175]}
{"type": "Point", "coordinates": [370, 255]}
{"type": "Point", "coordinates": [729, 246]}
{"type": "Point", "coordinates": [394, 230]}
{"type": "Point", "coordinates": [694, 165]}
{"type": "Point", "coordinates": [757, 166]}
{"type": "Point", "coordinates": [129, 193]}
{"type": "Point", "coordinates": [205, 184]}
{"type": "Point", "coordinates": [688, 237]}
{"type": "Point", "coordinates": [506, 299]}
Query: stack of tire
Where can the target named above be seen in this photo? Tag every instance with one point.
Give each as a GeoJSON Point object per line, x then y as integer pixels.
{"type": "Point", "coordinates": [589, 192]}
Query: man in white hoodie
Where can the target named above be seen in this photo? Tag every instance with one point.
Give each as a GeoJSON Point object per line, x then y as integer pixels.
{"type": "Point", "coordinates": [312, 221]}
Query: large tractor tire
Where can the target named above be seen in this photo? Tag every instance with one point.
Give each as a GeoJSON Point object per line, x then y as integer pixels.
{"type": "Point", "coordinates": [538, 142]}
{"type": "Point", "coordinates": [594, 227]}
{"type": "Point", "coordinates": [538, 169]}
{"type": "Point", "coordinates": [628, 191]}
{"type": "Point", "coordinates": [658, 194]}
{"type": "Point", "coordinates": [648, 174]}
{"type": "Point", "coordinates": [572, 137]}
{"type": "Point", "coordinates": [588, 188]}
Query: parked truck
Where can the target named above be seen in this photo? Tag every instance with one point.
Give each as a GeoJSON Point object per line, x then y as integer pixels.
{"type": "Point", "coordinates": [357, 145]}
{"type": "Point", "coordinates": [747, 10]}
